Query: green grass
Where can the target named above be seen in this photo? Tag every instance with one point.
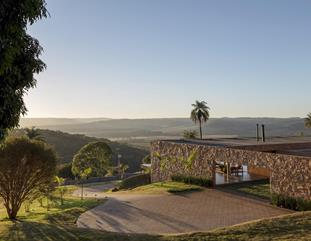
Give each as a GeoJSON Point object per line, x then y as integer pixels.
{"type": "Point", "coordinates": [163, 187]}
{"type": "Point", "coordinates": [260, 189]}
{"type": "Point", "coordinates": [287, 228]}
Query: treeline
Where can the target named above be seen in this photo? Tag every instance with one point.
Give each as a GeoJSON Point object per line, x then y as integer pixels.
{"type": "Point", "coordinates": [67, 145]}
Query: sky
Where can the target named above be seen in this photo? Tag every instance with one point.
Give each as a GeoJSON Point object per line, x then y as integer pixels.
{"type": "Point", "coordinates": [149, 59]}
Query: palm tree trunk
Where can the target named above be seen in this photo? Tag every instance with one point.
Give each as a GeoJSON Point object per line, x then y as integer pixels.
{"type": "Point", "coordinates": [200, 129]}
{"type": "Point", "coordinates": [82, 190]}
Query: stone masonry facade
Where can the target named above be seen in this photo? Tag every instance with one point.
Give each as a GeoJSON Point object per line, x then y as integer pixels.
{"type": "Point", "coordinates": [290, 175]}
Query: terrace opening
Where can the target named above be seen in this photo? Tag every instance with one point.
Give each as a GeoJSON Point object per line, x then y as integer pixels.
{"type": "Point", "coordinates": [229, 173]}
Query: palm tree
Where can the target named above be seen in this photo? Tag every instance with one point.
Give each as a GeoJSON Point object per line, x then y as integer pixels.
{"type": "Point", "coordinates": [122, 169]}
{"type": "Point", "coordinates": [308, 121]}
{"type": "Point", "coordinates": [200, 113]}
{"type": "Point", "coordinates": [33, 133]}
{"type": "Point", "coordinates": [61, 188]}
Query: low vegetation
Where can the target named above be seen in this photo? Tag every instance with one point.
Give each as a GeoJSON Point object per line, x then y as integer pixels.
{"type": "Point", "coordinates": [135, 181]}
{"type": "Point", "coordinates": [204, 182]}
{"type": "Point", "coordinates": [296, 204]}
{"type": "Point", "coordinates": [162, 187]}
{"type": "Point", "coordinates": [190, 134]}
{"type": "Point", "coordinates": [259, 189]}
{"type": "Point", "coordinates": [290, 227]}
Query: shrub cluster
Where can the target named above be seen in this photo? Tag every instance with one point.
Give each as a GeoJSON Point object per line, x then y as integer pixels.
{"type": "Point", "coordinates": [64, 171]}
{"type": "Point", "coordinates": [135, 181]}
{"type": "Point", "coordinates": [204, 182]}
{"type": "Point", "coordinates": [297, 204]}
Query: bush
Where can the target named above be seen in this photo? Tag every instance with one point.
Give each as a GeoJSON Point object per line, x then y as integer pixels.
{"type": "Point", "coordinates": [135, 181]}
{"type": "Point", "coordinates": [204, 182]}
{"type": "Point", "coordinates": [64, 171]}
{"type": "Point", "coordinates": [191, 134]}
{"type": "Point", "coordinates": [297, 204]}
{"type": "Point", "coordinates": [146, 159]}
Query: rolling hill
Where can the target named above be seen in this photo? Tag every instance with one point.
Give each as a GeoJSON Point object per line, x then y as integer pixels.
{"type": "Point", "coordinates": [128, 128]}
{"type": "Point", "coordinates": [67, 145]}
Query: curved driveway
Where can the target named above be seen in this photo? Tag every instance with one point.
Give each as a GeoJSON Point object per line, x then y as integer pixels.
{"type": "Point", "coordinates": [168, 213]}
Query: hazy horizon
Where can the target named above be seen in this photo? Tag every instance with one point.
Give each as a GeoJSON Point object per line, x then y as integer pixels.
{"type": "Point", "coordinates": [151, 59]}
{"type": "Point", "coordinates": [174, 117]}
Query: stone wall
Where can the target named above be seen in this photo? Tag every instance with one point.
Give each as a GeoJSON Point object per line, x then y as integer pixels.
{"type": "Point", "coordinates": [203, 165]}
{"type": "Point", "coordinates": [290, 175]}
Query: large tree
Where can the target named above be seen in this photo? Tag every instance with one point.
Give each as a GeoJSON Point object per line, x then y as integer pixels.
{"type": "Point", "coordinates": [19, 57]}
{"type": "Point", "coordinates": [96, 155]}
{"type": "Point", "coordinates": [200, 113]}
{"type": "Point", "coordinates": [308, 121]}
{"type": "Point", "coordinates": [27, 169]}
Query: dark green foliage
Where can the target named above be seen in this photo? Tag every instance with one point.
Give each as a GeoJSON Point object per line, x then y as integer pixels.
{"type": "Point", "coordinates": [146, 159]}
{"type": "Point", "coordinates": [204, 182]}
{"type": "Point", "coordinates": [182, 190]}
{"type": "Point", "coordinates": [191, 134]}
{"type": "Point", "coordinates": [297, 204]}
{"type": "Point", "coordinates": [64, 171]}
{"type": "Point", "coordinates": [66, 145]}
{"type": "Point", "coordinates": [200, 113]}
{"type": "Point", "coordinates": [135, 181]}
{"type": "Point", "coordinates": [19, 57]}
{"type": "Point", "coordinates": [27, 169]}
{"type": "Point", "coordinates": [95, 155]}
{"type": "Point", "coordinates": [308, 121]}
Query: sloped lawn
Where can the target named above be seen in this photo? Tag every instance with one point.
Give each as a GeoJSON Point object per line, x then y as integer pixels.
{"type": "Point", "coordinates": [58, 223]}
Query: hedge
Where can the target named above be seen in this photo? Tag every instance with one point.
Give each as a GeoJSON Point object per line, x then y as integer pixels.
{"type": "Point", "coordinates": [204, 182]}
{"type": "Point", "coordinates": [135, 181]}
{"type": "Point", "coordinates": [297, 204]}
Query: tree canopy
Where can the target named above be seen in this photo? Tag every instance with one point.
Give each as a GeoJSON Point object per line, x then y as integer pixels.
{"type": "Point", "coordinates": [200, 113]}
{"type": "Point", "coordinates": [308, 121]}
{"type": "Point", "coordinates": [19, 57]}
{"type": "Point", "coordinates": [27, 169]}
{"type": "Point", "coordinates": [95, 155]}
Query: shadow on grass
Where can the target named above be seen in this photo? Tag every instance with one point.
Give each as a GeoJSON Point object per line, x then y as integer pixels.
{"type": "Point", "coordinates": [258, 189]}
{"type": "Point", "coordinates": [43, 231]}
{"type": "Point", "coordinates": [295, 227]}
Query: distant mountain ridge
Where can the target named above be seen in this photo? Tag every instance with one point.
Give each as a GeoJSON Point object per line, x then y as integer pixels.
{"type": "Point", "coordinates": [119, 128]}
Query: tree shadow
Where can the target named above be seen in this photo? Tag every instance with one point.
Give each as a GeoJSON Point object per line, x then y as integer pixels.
{"type": "Point", "coordinates": [35, 231]}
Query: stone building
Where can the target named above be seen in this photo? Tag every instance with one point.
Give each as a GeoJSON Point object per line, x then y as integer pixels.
{"type": "Point", "coordinates": [286, 162]}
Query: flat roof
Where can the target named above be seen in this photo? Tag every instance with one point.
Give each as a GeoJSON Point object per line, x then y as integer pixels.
{"type": "Point", "coordinates": [287, 145]}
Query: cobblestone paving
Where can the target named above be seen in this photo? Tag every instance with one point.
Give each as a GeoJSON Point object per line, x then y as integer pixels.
{"type": "Point", "coordinates": [159, 214]}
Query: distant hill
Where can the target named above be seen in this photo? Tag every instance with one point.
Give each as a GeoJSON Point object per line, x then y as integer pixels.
{"type": "Point", "coordinates": [66, 145]}
{"type": "Point", "coordinates": [45, 122]}
{"type": "Point", "coordinates": [126, 128]}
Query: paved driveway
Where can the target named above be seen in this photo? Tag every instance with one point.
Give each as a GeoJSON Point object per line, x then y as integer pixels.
{"type": "Point", "coordinates": [95, 190]}
{"type": "Point", "coordinates": [159, 214]}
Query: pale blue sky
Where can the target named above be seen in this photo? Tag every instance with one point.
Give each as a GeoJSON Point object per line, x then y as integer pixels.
{"type": "Point", "coordinates": [131, 59]}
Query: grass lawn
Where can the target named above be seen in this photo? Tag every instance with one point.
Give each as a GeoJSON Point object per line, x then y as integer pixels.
{"type": "Point", "coordinates": [290, 227]}
{"type": "Point", "coordinates": [259, 189]}
{"type": "Point", "coordinates": [162, 187]}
